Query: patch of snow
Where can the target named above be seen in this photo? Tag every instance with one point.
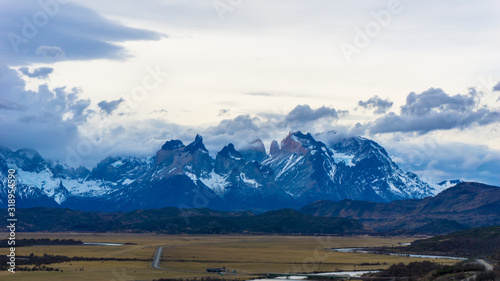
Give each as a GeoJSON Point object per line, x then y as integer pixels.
{"type": "Point", "coordinates": [46, 182]}
{"type": "Point", "coordinates": [216, 182]}
{"type": "Point", "coordinates": [43, 180]}
{"type": "Point", "coordinates": [59, 198]}
{"type": "Point", "coordinates": [250, 182]}
{"type": "Point", "coordinates": [127, 181]}
{"type": "Point", "coordinates": [90, 187]}
{"type": "Point", "coordinates": [117, 163]}
{"type": "Point", "coordinates": [291, 161]}
{"type": "Point", "coordinates": [295, 138]}
{"type": "Point", "coordinates": [192, 176]}
{"type": "Point", "coordinates": [234, 157]}
{"type": "Point", "coordinates": [331, 172]}
{"type": "Point", "coordinates": [393, 188]}
{"type": "Point", "coordinates": [339, 157]}
{"type": "Point", "coordinates": [436, 188]}
{"type": "Point", "coordinates": [443, 185]}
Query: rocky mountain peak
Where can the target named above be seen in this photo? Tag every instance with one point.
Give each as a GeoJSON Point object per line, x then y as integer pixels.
{"type": "Point", "coordinates": [229, 151]}
{"type": "Point", "coordinates": [197, 144]}
{"type": "Point", "coordinates": [300, 171]}
{"type": "Point", "coordinates": [29, 160]}
{"type": "Point", "coordinates": [275, 148]}
{"type": "Point", "coordinates": [255, 150]}
{"type": "Point", "coordinates": [228, 159]}
{"type": "Point", "coordinates": [294, 143]}
{"type": "Point", "coordinates": [172, 144]}
{"type": "Point", "coordinates": [258, 145]}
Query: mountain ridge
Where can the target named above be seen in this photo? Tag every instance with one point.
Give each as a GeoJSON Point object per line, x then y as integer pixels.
{"type": "Point", "coordinates": [171, 220]}
{"type": "Point", "coordinates": [465, 205]}
{"type": "Point", "coordinates": [296, 172]}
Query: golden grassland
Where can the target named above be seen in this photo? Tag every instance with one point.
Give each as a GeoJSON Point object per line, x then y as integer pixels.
{"type": "Point", "coordinates": [190, 255]}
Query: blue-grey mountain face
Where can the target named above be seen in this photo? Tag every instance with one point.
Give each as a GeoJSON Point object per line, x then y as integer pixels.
{"type": "Point", "coordinates": [299, 171]}
{"type": "Point", "coordinates": [350, 168]}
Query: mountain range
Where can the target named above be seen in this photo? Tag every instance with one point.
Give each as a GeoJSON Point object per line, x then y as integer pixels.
{"type": "Point", "coordinates": [462, 206]}
{"type": "Point", "coordinates": [459, 207]}
{"type": "Point", "coordinates": [300, 170]}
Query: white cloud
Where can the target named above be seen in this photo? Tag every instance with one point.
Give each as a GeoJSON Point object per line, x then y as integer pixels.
{"type": "Point", "coordinates": [44, 119]}
{"type": "Point", "coordinates": [40, 73]}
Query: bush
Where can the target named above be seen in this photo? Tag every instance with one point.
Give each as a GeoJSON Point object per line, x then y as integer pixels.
{"type": "Point", "coordinates": [487, 276]}
{"type": "Point", "coordinates": [413, 269]}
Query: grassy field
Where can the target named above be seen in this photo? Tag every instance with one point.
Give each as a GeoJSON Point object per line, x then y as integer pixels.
{"type": "Point", "coordinates": [190, 255]}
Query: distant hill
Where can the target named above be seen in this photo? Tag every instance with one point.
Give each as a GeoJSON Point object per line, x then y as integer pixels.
{"type": "Point", "coordinates": [472, 243]}
{"type": "Point", "coordinates": [465, 205]}
{"type": "Point", "coordinates": [179, 221]}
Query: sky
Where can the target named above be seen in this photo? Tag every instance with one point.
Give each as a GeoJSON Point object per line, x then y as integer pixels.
{"type": "Point", "coordinates": [82, 80]}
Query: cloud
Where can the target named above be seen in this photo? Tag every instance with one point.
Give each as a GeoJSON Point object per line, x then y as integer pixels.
{"type": "Point", "coordinates": [496, 87]}
{"type": "Point", "coordinates": [36, 31]}
{"type": "Point", "coordinates": [223, 111]}
{"type": "Point", "coordinates": [239, 124]}
{"type": "Point", "coordinates": [40, 73]}
{"type": "Point", "coordinates": [436, 100]}
{"type": "Point", "coordinates": [53, 52]}
{"type": "Point", "coordinates": [436, 110]}
{"type": "Point", "coordinates": [262, 94]}
{"type": "Point", "coordinates": [109, 107]}
{"type": "Point", "coordinates": [381, 106]}
{"type": "Point", "coordinates": [438, 161]}
{"type": "Point", "coordinates": [245, 128]}
{"type": "Point", "coordinates": [8, 105]}
{"type": "Point", "coordinates": [304, 114]}
{"type": "Point", "coordinates": [45, 119]}
{"type": "Point", "coordinates": [158, 114]}
{"type": "Point", "coordinates": [59, 118]}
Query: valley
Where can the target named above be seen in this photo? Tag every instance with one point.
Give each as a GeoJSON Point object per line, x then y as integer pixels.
{"type": "Point", "coordinates": [190, 255]}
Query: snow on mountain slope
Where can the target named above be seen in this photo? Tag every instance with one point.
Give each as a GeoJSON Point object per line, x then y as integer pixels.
{"type": "Point", "coordinates": [47, 183]}
{"type": "Point", "coordinates": [300, 170]}
{"type": "Point", "coordinates": [348, 168]}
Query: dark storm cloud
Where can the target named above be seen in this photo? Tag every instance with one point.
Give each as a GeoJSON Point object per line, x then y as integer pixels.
{"type": "Point", "coordinates": [44, 119]}
{"type": "Point", "coordinates": [109, 106]}
{"type": "Point", "coordinates": [40, 73]}
{"type": "Point", "coordinates": [436, 100]}
{"type": "Point", "coordinates": [34, 31]}
{"type": "Point", "coordinates": [381, 106]}
{"type": "Point", "coordinates": [436, 110]}
{"type": "Point", "coordinates": [497, 87]}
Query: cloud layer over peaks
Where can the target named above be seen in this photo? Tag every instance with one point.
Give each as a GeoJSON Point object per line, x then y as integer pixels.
{"type": "Point", "coordinates": [436, 110]}
{"type": "Point", "coordinates": [48, 31]}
